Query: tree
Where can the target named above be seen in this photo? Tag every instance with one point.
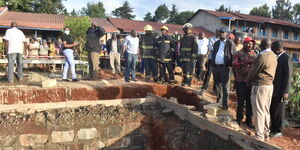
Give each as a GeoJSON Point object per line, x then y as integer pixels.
{"type": "Point", "coordinates": [50, 7]}
{"type": "Point", "coordinates": [148, 17]}
{"type": "Point", "coordinates": [124, 11]}
{"type": "Point", "coordinates": [74, 13]}
{"type": "Point", "coordinates": [282, 10]}
{"type": "Point", "coordinates": [93, 10]}
{"type": "Point", "coordinates": [296, 13]}
{"type": "Point", "coordinates": [173, 14]}
{"type": "Point", "coordinates": [161, 13]}
{"type": "Point", "coordinates": [19, 5]}
{"type": "Point", "coordinates": [182, 17]}
{"type": "Point", "coordinates": [224, 9]}
{"type": "Point", "coordinates": [78, 27]}
{"type": "Point", "coordinates": [261, 11]}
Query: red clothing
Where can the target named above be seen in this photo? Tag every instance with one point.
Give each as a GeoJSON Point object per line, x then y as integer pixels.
{"type": "Point", "coordinates": [242, 63]}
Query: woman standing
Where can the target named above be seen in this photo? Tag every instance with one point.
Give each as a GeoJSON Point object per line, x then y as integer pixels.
{"type": "Point", "coordinates": [68, 50]}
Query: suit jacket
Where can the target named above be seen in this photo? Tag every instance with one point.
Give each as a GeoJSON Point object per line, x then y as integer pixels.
{"type": "Point", "coordinates": [229, 50]}
{"type": "Point", "coordinates": [283, 75]}
{"type": "Point", "coordinates": [109, 46]}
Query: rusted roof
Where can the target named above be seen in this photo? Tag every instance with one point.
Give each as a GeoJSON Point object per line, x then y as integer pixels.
{"type": "Point", "coordinates": [127, 25]}
{"type": "Point", "coordinates": [103, 22]}
{"type": "Point", "coordinates": [246, 17]}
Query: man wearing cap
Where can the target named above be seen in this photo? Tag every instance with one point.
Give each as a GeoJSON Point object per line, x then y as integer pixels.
{"type": "Point", "coordinates": [93, 47]}
{"type": "Point", "coordinates": [131, 52]}
{"type": "Point", "coordinates": [241, 66]}
{"type": "Point", "coordinates": [165, 51]}
{"type": "Point", "coordinates": [222, 59]}
{"type": "Point", "coordinates": [188, 50]}
{"type": "Point", "coordinates": [147, 42]}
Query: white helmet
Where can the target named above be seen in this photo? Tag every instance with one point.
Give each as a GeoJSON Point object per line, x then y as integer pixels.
{"type": "Point", "coordinates": [187, 26]}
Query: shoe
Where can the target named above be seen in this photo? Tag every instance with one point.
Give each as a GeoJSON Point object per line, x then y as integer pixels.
{"type": "Point", "coordinates": [276, 135]}
{"type": "Point", "coordinates": [65, 80]}
{"type": "Point", "coordinates": [267, 136]}
{"type": "Point", "coordinates": [250, 125]}
{"type": "Point", "coordinates": [126, 80]}
{"type": "Point", "coordinates": [259, 138]}
{"type": "Point", "coordinates": [239, 123]}
{"type": "Point", "coordinates": [75, 80]}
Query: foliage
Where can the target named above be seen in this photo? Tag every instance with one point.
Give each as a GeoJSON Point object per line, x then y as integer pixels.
{"type": "Point", "coordinates": [94, 10]}
{"type": "Point", "coordinates": [124, 11]}
{"type": "Point", "coordinates": [40, 6]}
{"type": "Point", "coordinates": [148, 17]}
{"type": "Point", "coordinates": [78, 27]}
{"type": "Point", "coordinates": [173, 14]}
{"type": "Point", "coordinates": [283, 10]}
{"type": "Point", "coordinates": [224, 9]}
{"type": "Point", "coordinates": [183, 16]}
{"type": "Point", "coordinates": [161, 13]}
{"type": "Point", "coordinates": [293, 106]}
{"type": "Point", "coordinates": [296, 13]}
{"type": "Point", "coordinates": [74, 13]}
{"type": "Point", "coordinates": [261, 11]}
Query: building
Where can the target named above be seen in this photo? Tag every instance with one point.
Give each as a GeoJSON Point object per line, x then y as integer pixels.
{"type": "Point", "coordinates": [259, 27]}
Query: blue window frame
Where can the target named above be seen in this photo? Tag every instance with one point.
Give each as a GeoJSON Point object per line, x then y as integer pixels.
{"type": "Point", "coordinates": [262, 30]}
{"type": "Point", "coordinates": [286, 34]}
{"type": "Point", "coordinates": [274, 33]}
{"type": "Point", "coordinates": [296, 36]}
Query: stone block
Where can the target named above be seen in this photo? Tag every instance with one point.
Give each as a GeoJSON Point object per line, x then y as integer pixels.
{"type": "Point", "coordinates": [32, 139]}
{"type": "Point", "coordinates": [173, 99]}
{"type": "Point", "coordinates": [166, 111]}
{"type": "Point", "coordinates": [234, 125]}
{"type": "Point", "coordinates": [87, 134]}
{"type": "Point", "coordinates": [211, 118]}
{"type": "Point", "coordinates": [225, 113]}
{"type": "Point", "coordinates": [62, 136]}
{"type": "Point", "coordinates": [112, 131]}
{"type": "Point", "coordinates": [205, 107]}
{"type": "Point", "coordinates": [8, 140]}
{"type": "Point", "coordinates": [8, 148]}
{"type": "Point", "coordinates": [96, 145]}
{"type": "Point", "coordinates": [49, 83]}
{"type": "Point", "coordinates": [213, 110]}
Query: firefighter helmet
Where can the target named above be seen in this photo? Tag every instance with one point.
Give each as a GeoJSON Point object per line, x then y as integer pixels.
{"type": "Point", "coordinates": [164, 28]}
{"type": "Point", "coordinates": [148, 28]}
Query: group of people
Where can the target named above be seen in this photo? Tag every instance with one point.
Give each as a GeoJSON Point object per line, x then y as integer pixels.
{"type": "Point", "coordinates": [43, 48]}
{"type": "Point", "coordinates": [262, 78]}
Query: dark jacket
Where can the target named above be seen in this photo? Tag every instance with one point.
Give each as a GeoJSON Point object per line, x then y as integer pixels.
{"type": "Point", "coordinates": [109, 46]}
{"type": "Point", "coordinates": [283, 75]}
{"type": "Point", "coordinates": [147, 43]}
{"type": "Point", "coordinates": [165, 48]}
{"type": "Point", "coordinates": [229, 50]}
{"type": "Point", "coordinates": [188, 48]}
{"type": "Point", "coordinates": [93, 38]}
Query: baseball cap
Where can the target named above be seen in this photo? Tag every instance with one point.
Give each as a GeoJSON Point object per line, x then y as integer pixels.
{"type": "Point", "coordinates": [249, 39]}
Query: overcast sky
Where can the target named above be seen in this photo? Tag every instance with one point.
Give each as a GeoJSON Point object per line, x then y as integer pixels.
{"type": "Point", "coordinates": [141, 7]}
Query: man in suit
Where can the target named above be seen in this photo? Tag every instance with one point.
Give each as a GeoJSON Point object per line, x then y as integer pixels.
{"type": "Point", "coordinates": [114, 49]}
{"type": "Point", "coordinates": [281, 84]}
{"type": "Point", "coordinates": [222, 56]}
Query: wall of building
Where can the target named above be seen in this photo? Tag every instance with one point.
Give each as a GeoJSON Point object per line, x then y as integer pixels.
{"type": "Point", "coordinates": [207, 21]}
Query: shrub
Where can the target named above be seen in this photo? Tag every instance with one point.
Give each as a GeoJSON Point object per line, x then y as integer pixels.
{"type": "Point", "coordinates": [293, 106]}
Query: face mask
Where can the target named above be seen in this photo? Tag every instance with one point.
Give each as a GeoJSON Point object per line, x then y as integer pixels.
{"type": "Point", "coordinates": [67, 32]}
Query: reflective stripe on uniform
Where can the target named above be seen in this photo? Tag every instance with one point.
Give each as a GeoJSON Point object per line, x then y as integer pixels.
{"type": "Point", "coordinates": [186, 49]}
{"type": "Point", "coordinates": [152, 57]}
{"type": "Point", "coordinates": [147, 47]}
{"type": "Point", "coordinates": [185, 59]}
{"type": "Point", "coordinates": [167, 41]}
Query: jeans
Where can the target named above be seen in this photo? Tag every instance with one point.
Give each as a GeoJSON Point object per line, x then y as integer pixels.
{"type": "Point", "coordinates": [130, 65]}
{"type": "Point", "coordinates": [69, 62]}
{"type": "Point", "coordinates": [221, 80]}
{"type": "Point", "coordinates": [11, 61]}
{"type": "Point", "coordinates": [93, 58]}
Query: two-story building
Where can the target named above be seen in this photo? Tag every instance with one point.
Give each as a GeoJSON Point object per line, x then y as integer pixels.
{"type": "Point", "coordinates": [259, 27]}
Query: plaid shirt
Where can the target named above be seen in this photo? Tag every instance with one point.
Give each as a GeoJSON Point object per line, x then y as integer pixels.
{"type": "Point", "coordinates": [242, 63]}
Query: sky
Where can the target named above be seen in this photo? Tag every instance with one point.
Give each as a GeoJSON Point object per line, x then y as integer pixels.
{"type": "Point", "coordinates": [141, 7]}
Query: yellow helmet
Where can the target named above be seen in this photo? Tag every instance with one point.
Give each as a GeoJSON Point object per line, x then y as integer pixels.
{"type": "Point", "coordinates": [164, 28]}
{"type": "Point", "coordinates": [148, 28]}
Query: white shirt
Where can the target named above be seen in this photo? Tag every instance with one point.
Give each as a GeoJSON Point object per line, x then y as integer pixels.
{"type": "Point", "coordinates": [132, 44]}
{"type": "Point", "coordinates": [220, 54]}
{"type": "Point", "coordinates": [114, 46]}
{"type": "Point", "coordinates": [202, 46]}
{"type": "Point", "coordinates": [211, 43]}
{"type": "Point", "coordinates": [16, 39]}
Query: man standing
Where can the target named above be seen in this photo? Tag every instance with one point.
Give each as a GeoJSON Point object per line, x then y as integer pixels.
{"type": "Point", "coordinates": [261, 78]}
{"type": "Point", "coordinates": [165, 50]}
{"type": "Point", "coordinates": [281, 83]}
{"type": "Point", "coordinates": [211, 43]}
{"type": "Point", "coordinates": [202, 55]}
{"type": "Point", "coordinates": [16, 46]}
{"type": "Point", "coordinates": [147, 42]}
{"type": "Point", "coordinates": [241, 66]}
{"type": "Point", "coordinates": [131, 47]}
{"type": "Point", "coordinates": [188, 51]}
{"type": "Point", "coordinates": [114, 49]}
{"type": "Point", "coordinates": [93, 47]}
{"type": "Point", "coordinates": [222, 59]}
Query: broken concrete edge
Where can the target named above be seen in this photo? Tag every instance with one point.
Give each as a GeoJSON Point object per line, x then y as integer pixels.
{"type": "Point", "coordinates": [245, 141]}
{"type": "Point", "coordinates": [31, 108]}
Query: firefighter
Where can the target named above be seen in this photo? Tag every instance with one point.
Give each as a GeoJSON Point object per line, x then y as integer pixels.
{"type": "Point", "coordinates": [147, 42]}
{"type": "Point", "coordinates": [188, 51]}
{"type": "Point", "coordinates": [165, 51]}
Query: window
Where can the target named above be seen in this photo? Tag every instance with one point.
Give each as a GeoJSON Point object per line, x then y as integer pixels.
{"type": "Point", "coordinates": [296, 37]}
{"type": "Point", "coordinates": [295, 57]}
{"type": "Point", "coordinates": [262, 31]}
{"type": "Point", "coordinates": [286, 34]}
{"type": "Point", "coordinates": [274, 33]}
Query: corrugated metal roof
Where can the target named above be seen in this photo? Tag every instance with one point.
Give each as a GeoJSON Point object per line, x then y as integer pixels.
{"type": "Point", "coordinates": [103, 22]}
